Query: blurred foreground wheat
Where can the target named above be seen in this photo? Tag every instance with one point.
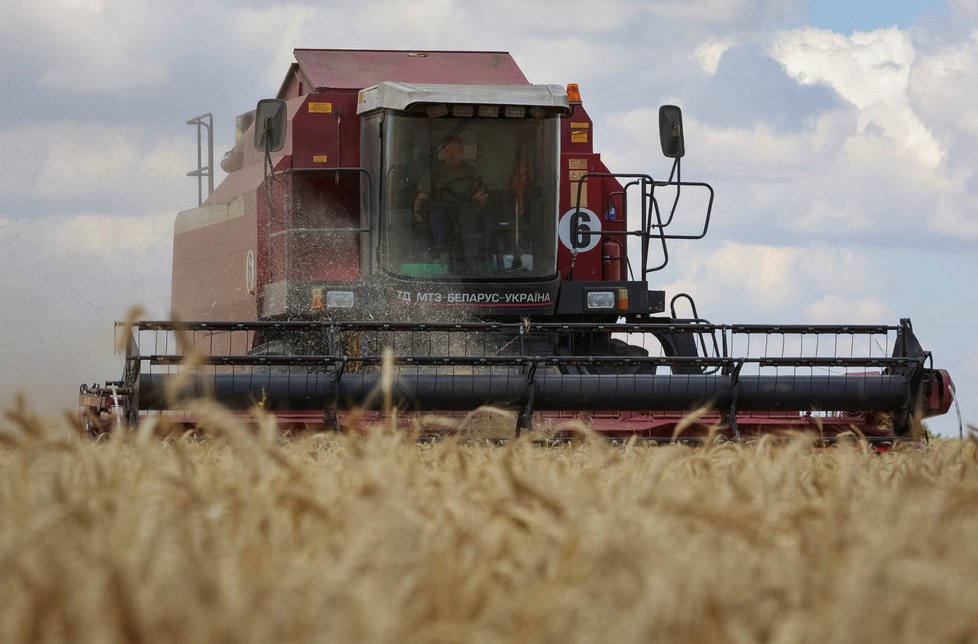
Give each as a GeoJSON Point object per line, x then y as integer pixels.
{"type": "Point", "coordinates": [249, 537]}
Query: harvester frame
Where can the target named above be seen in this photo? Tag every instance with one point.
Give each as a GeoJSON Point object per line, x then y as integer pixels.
{"type": "Point", "coordinates": [356, 240]}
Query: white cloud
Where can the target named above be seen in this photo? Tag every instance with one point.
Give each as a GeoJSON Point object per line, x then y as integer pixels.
{"type": "Point", "coordinates": [831, 309]}
{"type": "Point", "coordinates": [831, 180]}
{"type": "Point", "coordinates": [573, 17]}
{"type": "Point", "coordinates": [122, 166]}
{"type": "Point", "coordinates": [723, 13]}
{"type": "Point", "coordinates": [760, 152]}
{"type": "Point", "coordinates": [72, 278]}
{"type": "Point", "coordinates": [965, 8]}
{"type": "Point", "coordinates": [121, 258]}
{"type": "Point", "coordinates": [547, 42]}
{"type": "Point", "coordinates": [902, 164]}
{"type": "Point", "coordinates": [944, 87]}
{"type": "Point", "coordinates": [287, 25]}
{"type": "Point", "coordinates": [821, 215]}
{"type": "Point", "coordinates": [755, 282]}
{"type": "Point", "coordinates": [88, 47]}
{"type": "Point", "coordinates": [116, 242]}
{"type": "Point", "coordinates": [956, 214]}
{"type": "Point", "coordinates": [708, 54]}
{"type": "Point", "coordinates": [871, 71]}
{"type": "Point", "coordinates": [971, 358]}
{"type": "Point", "coordinates": [569, 59]}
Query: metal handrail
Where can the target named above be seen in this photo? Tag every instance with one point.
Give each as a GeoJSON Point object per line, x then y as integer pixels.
{"type": "Point", "coordinates": [204, 121]}
{"type": "Point", "coordinates": [513, 327]}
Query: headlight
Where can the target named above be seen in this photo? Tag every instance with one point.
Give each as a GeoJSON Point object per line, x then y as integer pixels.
{"type": "Point", "coordinates": [600, 300]}
{"type": "Point", "coordinates": [339, 299]}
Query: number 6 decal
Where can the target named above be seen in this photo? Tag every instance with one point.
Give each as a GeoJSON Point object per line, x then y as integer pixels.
{"type": "Point", "coordinates": [579, 230]}
{"type": "Point", "coordinates": [250, 276]}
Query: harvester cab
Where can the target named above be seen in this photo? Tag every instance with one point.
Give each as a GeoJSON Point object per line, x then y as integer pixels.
{"type": "Point", "coordinates": [438, 207]}
{"type": "Point", "coordinates": [457, 188]}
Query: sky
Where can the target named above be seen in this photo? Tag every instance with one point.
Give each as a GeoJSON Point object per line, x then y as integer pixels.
{"type": "Point", "coordinates": [840, 137]}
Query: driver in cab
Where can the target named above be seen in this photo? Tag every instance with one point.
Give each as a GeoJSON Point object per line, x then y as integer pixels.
{"type": "Point", "coordinates": [452, 180]}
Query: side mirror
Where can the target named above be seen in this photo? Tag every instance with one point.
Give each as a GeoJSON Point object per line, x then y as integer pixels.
{"type": "Point", "coordinates": [270, 124]}
{"type": "Point", "coordinates": [671, 131]}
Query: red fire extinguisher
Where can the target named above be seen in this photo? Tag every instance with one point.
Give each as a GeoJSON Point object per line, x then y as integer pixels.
{"type": "Point", "coordinates": [611, 264]}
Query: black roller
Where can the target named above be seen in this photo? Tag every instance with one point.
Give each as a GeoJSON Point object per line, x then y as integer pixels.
{"type": "Point", "coordinates": [551, 392]}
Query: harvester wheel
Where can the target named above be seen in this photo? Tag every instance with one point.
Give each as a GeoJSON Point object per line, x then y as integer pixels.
{"type": "Point", "coordinates": [621, 348]}
{"type": "Point", "coordinates": [604, 346]}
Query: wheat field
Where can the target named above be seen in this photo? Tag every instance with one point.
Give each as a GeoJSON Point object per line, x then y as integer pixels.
{"type": "Point", "coordinates": [251, 536]}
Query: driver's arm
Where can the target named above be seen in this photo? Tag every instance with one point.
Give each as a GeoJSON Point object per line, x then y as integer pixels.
{"type": "Point", "coordinates": [418, 200]}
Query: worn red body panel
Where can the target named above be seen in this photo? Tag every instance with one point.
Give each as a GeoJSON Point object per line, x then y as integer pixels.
{"type": "Point", "coordinates": [322, 69]}
{"type": "Point", "coordinates": [578, 158]}
{"type": "Point", "coordinates": [209, 285]}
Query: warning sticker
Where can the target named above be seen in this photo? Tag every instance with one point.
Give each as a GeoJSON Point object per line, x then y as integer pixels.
{"type": "Point", "coordinates": [320, 158]}
{"type": "Point", "coordinates": [574, 191]}
{"type": "Point", "coordinates": [577, 164]}
{"type": "Point", "coordinates": [320, 108]}
{"type": "Point", "coordinates": [578, 136]}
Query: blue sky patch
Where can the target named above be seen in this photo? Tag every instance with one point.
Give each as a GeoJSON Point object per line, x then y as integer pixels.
{"type": "Point", "coordinates": [847, 16]}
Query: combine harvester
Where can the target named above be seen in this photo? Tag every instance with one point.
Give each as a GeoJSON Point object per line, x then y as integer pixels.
{"type": "Point", "coordinates": [437, 205]}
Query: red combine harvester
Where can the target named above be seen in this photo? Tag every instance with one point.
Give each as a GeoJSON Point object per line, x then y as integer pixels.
{"type": "Point", "coordinates": [439, 206]}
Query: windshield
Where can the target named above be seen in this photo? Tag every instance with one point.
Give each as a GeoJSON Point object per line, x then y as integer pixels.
{"type": "Point", "coordinates": [470, 198]}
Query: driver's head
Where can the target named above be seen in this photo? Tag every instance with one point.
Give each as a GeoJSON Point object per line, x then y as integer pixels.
{"type": "Point", "coordinates": [453, 150]}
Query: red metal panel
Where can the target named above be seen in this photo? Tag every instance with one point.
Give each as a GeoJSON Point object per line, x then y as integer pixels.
{"type": "Point", "coordinates": [577, 158]}
{"type": "Point", "coordinates": [309, 236]}
{"type": "Point", "coordinates": [326, 131]}
{"type": "Point", "coordinates": [355, 69]}
{"type": "Point", "coordinates": [209, 271]}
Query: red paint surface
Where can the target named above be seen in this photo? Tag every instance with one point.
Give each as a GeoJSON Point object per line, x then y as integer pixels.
{"type": "Point", "coordinates": [599, 192]}
{"type": "Point", "coordinates": [355, 69]}
{"type": "Point", "coordinates": [209, 271]}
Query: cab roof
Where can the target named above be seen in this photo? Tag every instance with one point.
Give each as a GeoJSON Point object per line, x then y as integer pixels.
{"type": "Point", "coordinates": [403, 96]}
{"type": "Point", "coordinates": [320, 70]}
